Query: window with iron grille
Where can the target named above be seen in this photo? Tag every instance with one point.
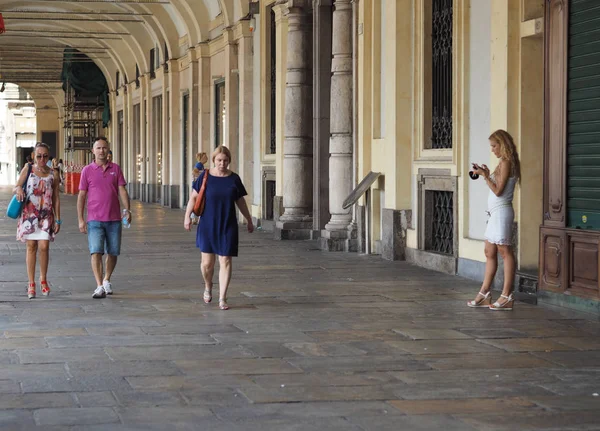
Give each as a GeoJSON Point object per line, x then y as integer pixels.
{"type": "Point", "coordinates": [137, 76]}
{"type": "Point", "coordinates": [441, 74]}
{"type": "Point", "coordinates": [270, 197]}
{"type": "Point", "coordinates": [153, 59]}
{"type": "Point", "coordinates": [441, 231]}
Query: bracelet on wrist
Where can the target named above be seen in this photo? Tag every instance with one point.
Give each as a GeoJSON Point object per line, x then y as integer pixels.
{"type": "Point", "coordinates": [58, 221]}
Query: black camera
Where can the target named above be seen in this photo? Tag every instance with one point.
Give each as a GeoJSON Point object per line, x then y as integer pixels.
{"type": "Point", "coordinates": [473, 175]}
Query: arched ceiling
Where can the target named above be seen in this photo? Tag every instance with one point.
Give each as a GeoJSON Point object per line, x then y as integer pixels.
{"type": "Point", "coordinates": [116, 34]}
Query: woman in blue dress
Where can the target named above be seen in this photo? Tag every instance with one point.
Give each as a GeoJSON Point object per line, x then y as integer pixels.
{"type": "Point", "coordinates": [217, 233]}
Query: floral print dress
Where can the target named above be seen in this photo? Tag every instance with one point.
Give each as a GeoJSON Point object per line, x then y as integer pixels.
{"type": "Point", "coordinates": [37, 218]}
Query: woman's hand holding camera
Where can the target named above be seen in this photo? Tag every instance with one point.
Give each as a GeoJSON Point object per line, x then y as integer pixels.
{"type": "Point", "coordinates": [482, 170]}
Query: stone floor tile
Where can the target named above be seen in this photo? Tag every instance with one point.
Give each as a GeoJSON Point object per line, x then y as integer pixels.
{"type": "Point", "coordinates": [114, 330]}
{"type": "Point", "coordinates": [353, 335]}
{"type": "Point", "coordinates": [487, 361]}
{"type": "Point", "coordinates": [123, 368]}
{"type": "Point", "coordinates": [575, 359]}
{"type": "Point", "coordinates": [160, 398]}
{"type": "Point", "coordinates": [127, 340]}
{"type": "Point", "coordinates": [49, 332]}
{"type": "Point", "coordinates": [357, 364]}
{"type": "Point", "coordinates": [432, 347]}
{"type": "Point", "coordinates": [475, 375]}
{"type": "Point", "coordinates": [48, 356]}
{"type": "Point", "coordinates": [244, 338]}
{"type": "Point", "coordinates": [480, 333]}
{"type": "Point", "coordinates": [171, 383]}
{"type": "Point", "coordinates": [274, 381]}
{"type": "Point", "coordinates": [304, 410]}
{"type": "Point", "coordinates": [564, 421]}
{"type": "Point", "coordinates": [190, 328]}
{"type": "Point", "coordinates": [432, 334]}
{"type": "Point", "coordinates": [269, 350]}
{"type": "Point", "coordinates": [528, 344]}
{"type": "Point", "coordinates": [560, 403]}
{"type": "Point", "coordinates": [290, 394]}
{"type": "Point", "coordinates": [579, 343]}
{"type": "Point", "coordinates": [169, 353]}
{"type": "Point", "coordinates": [76, 384]}
{"type": "Point", "coordinates": [174, 416]}
{"type": "Point", "coordinates": [413, 423]}
{"type": "Point", "coordinates": [22, 343]}
{"type": "Point", "coordinates": [324, 349]}
{"type": "Point", "coordinates": [16, 419]}
{"type": "Point", "coordinates": [95, 399]}
{"type": "Point", "coordinates": [75, 416]}
{"type": "Point", "coordinates": [17, 372]}
{"type": "Point", "coordinates": [497, 389]}
{"type": "Point", "coordinates": [9, 387]}
{"type": "Point", "coordinates": [461, 406]}
{"type": "Point", "coordinates": [236, 366]}
{"type": "Point", "coordinates": [36, 401]}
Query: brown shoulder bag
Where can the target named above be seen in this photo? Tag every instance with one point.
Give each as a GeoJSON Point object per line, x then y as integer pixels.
{"type": "Point", "coordinates": [201, 198]}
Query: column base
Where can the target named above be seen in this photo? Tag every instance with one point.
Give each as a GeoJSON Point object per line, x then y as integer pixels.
{"type": "Point", "coordinates": [293, 230]}
{"type": "Point", "coordinates": [339, 240]}
{"type": "Point", "coordinates": [394, 224]}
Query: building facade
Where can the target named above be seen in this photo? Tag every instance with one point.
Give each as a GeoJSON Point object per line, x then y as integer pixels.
{"type": "Point", "coordinates": [383, 104]}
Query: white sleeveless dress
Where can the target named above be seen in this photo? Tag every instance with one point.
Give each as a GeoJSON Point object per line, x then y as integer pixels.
{"type": "Point", "coordinates": [501, 215]}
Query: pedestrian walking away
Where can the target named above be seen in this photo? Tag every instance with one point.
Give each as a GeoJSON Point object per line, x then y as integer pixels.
{"type": "Point", "coordinates": [102, 184]}
{"type": "Point", "coordinates": [40, 218]}
{"type": "Point", "coordinates": [217, 233]}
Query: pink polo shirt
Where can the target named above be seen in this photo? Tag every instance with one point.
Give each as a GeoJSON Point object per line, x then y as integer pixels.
{"type": "Point", "coordinates": [102, 187]}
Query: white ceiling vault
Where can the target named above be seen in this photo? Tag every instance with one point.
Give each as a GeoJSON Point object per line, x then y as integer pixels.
{"type": "Point", "coordinates": [115, 34]}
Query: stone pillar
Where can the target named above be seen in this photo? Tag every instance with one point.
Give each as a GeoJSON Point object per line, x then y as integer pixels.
{"type": "Point", "coordinates": [231, 98]}
{"type": "Point", "coordinates": [204, 86]}
{"type": "Point", "coordinates": [322, 29]}
{"type": "Point", "coordinates": [296, 221]}
{"type": "Point", "coordinates": [243, 36]}
{"type": "Point", "coordinates": [164, 157]}
{"type": "Point", "coordinates": [340, 228]}
{"type": "Point", "coordinates": [174, 142]}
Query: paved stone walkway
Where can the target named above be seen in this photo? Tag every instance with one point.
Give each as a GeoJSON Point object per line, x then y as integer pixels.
{"type": "Point", "coordinates": [313, 341]}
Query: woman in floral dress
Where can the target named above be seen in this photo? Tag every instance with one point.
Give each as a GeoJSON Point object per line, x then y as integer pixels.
{"type": "Point", "coordinates": [40, 219]}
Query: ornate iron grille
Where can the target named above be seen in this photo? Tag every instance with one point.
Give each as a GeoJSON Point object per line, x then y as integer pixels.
{"type": "Point", "coordinates": [441, 134]}
{"type": "Point", "coordinates": [270, 188]}
{"type": "Point", "coordinates": [273, 140]}
{"type": "Point", "coordinates": [443, 222]}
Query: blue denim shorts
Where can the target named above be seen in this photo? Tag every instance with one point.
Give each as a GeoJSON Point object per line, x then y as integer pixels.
{"type": "Point", "coordinates": [104, 236]}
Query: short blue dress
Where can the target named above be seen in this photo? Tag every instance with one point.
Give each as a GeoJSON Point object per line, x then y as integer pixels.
{"type": "Point", "coordinates": [218, 228]}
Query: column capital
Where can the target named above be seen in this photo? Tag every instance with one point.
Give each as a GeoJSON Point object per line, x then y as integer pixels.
{"type": "Point", "coordinates": [242, 29]}
{"type": "Point", "coordinates": [202, 50]}
{"type": "Point", "coordinates": [174, 65]}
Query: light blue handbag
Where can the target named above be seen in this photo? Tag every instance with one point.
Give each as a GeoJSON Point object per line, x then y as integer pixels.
{"type": "Point", "coordinates": [15, 207]}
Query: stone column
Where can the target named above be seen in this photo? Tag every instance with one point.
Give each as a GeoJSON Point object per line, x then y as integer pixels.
{"type": "Point", "coordinates": [340, 227]}
{"type": "Point", "coordinates": [243, 36]}
{"type": "Point", "coordinates": [322, 33]}
{"type": "Point", "coordinates": [296, 221]}
{"type": "Point", "coordinates": [174, 144]}
{"type": "Point", "coordinates": [231, 98]}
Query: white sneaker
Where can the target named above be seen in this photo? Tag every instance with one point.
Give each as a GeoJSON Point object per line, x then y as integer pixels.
{"type": "Point", "coordinates": [99, 293]}
{"type": "Point", "coordinates": [107, 285]}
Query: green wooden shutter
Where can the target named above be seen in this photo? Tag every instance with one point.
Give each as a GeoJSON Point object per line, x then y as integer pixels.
{"type": "Point", "coordinates": [583, 115]}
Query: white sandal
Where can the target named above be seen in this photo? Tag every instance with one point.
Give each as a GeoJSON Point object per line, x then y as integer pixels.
{"type": "Point", "coordinates": [506, 306]}
{"type": "Point", "coordinates": [483, 302]}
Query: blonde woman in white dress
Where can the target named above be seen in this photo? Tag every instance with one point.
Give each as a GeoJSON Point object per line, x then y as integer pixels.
{"type": "Point", "coordinates": [498, 234]}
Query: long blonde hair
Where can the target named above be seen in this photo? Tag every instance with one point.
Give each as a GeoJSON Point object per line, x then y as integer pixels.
{"type": "Point", "coordinates": [508, 151]}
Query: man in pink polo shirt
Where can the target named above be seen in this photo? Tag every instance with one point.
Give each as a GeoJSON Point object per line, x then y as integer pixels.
{"type": "Point", "coordinates": [102, 183]}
